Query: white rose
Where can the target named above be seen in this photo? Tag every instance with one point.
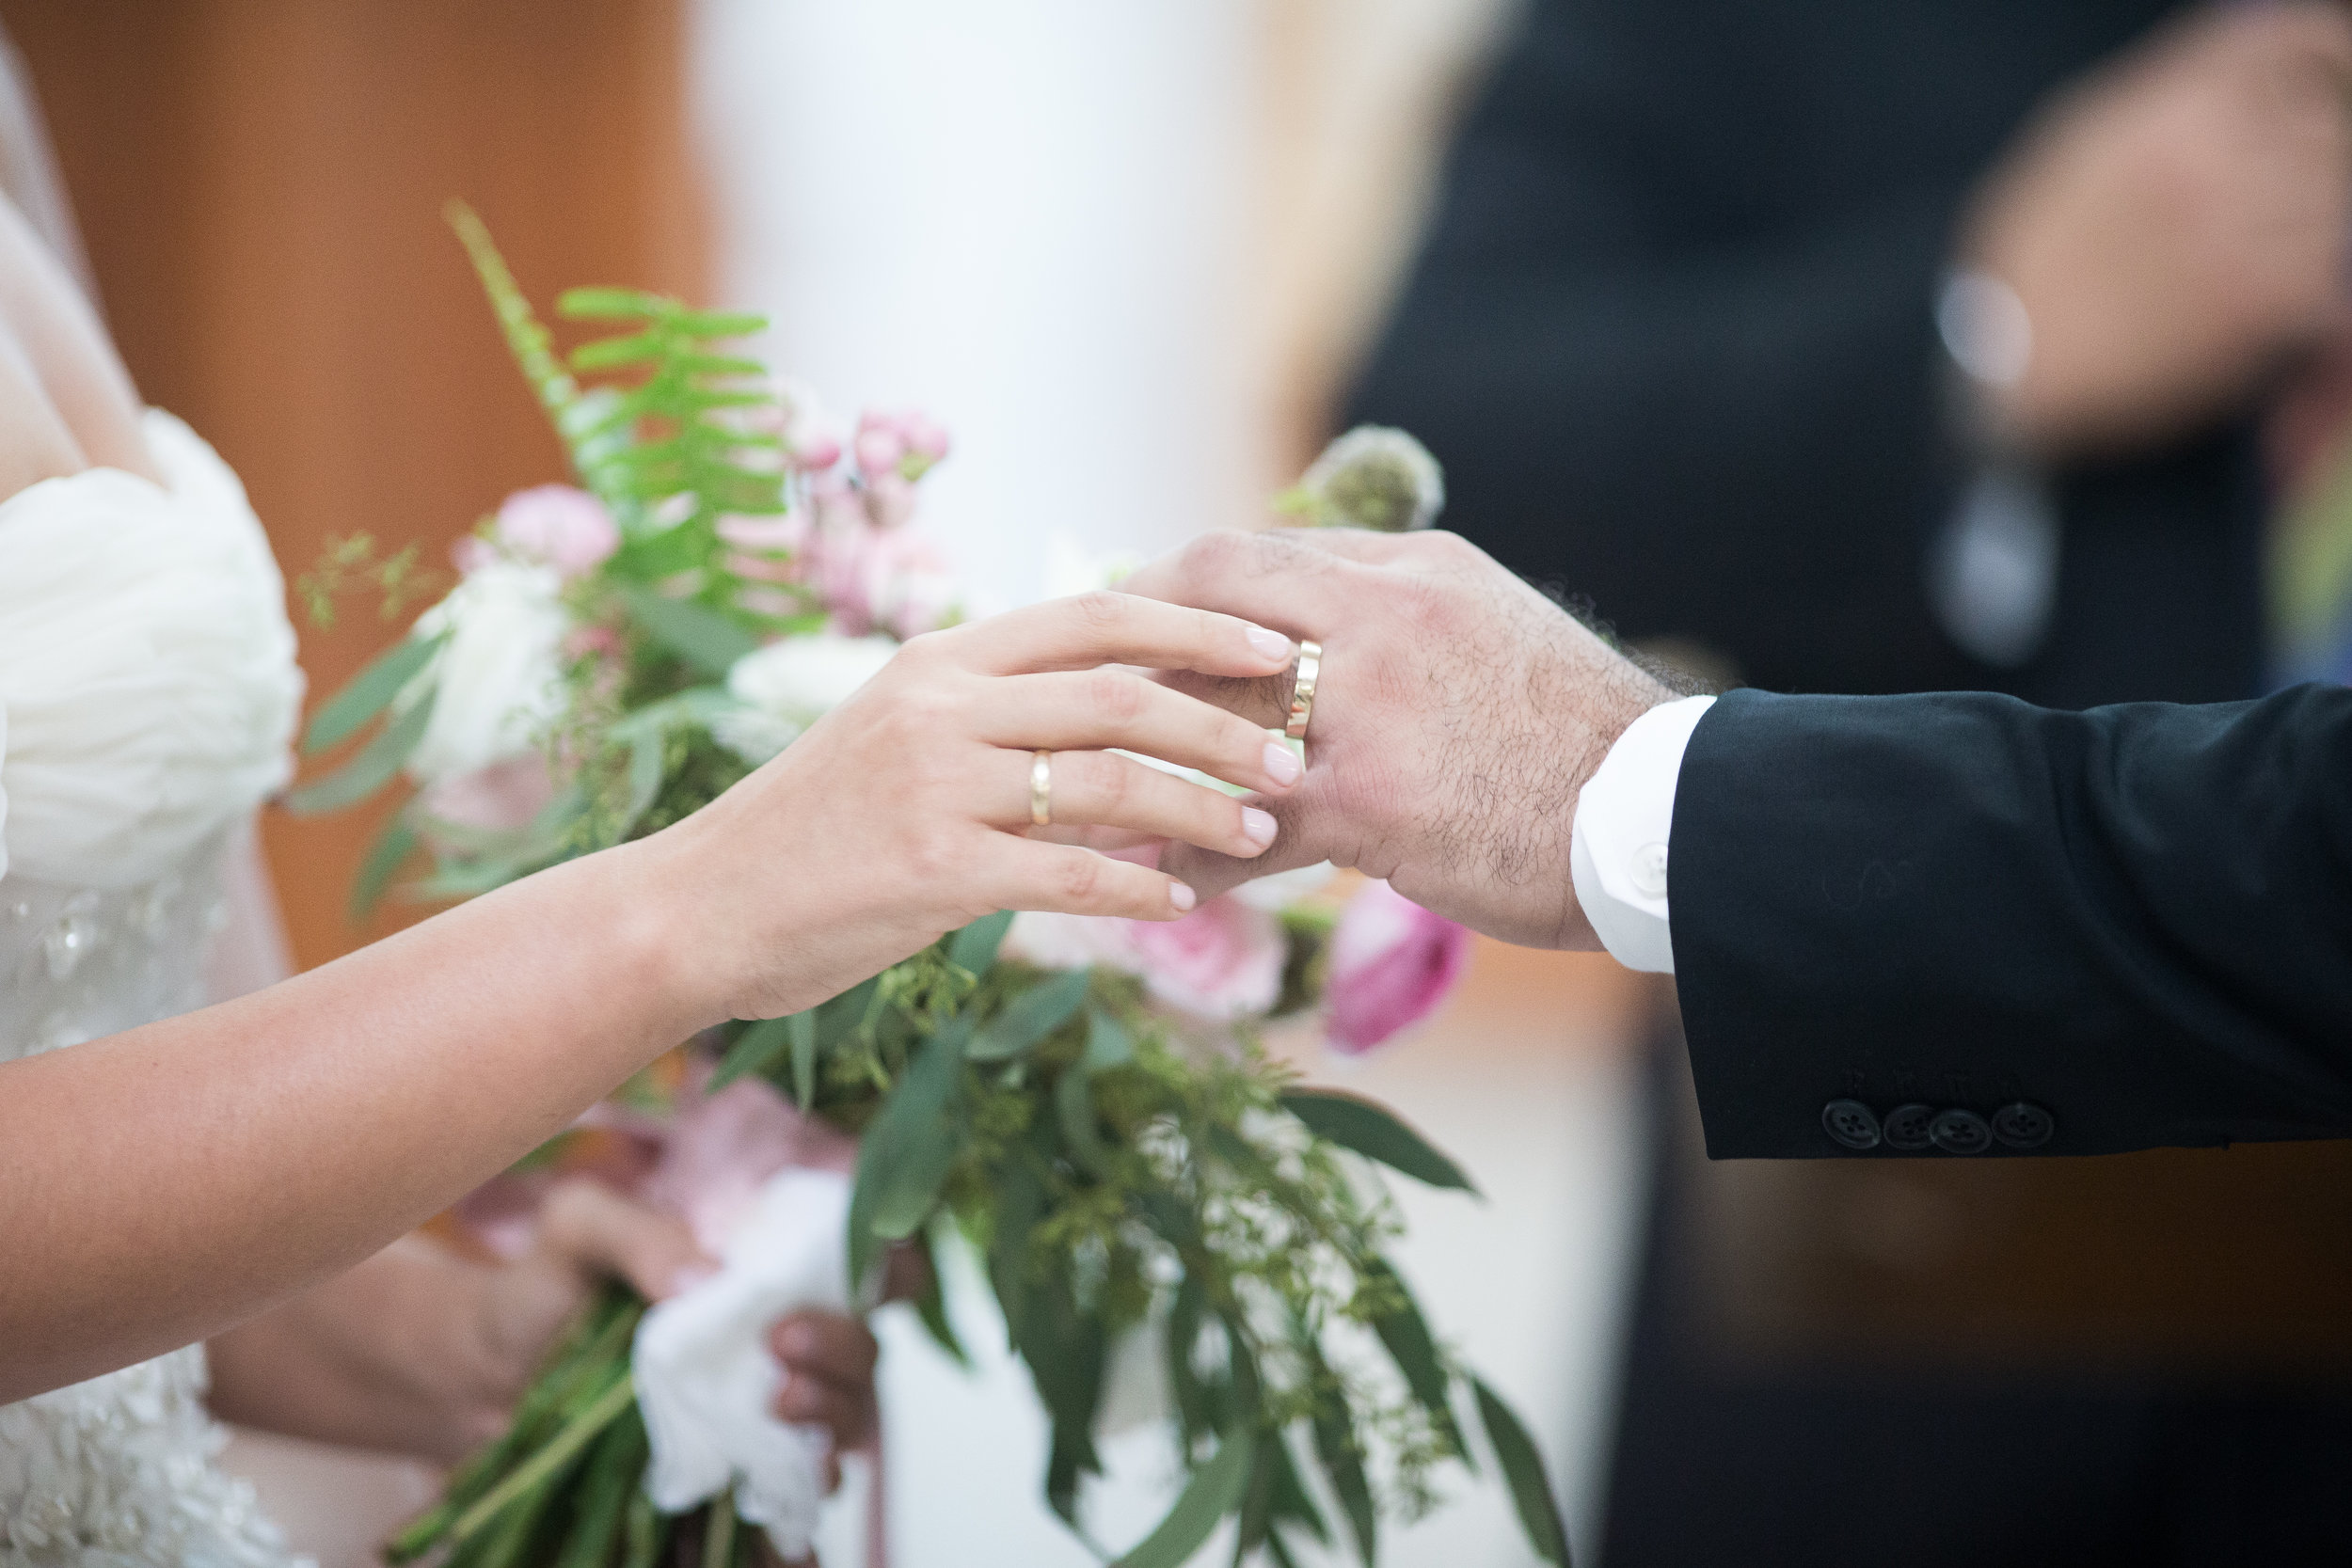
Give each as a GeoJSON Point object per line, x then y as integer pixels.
{"type": "Point", "coordinates": [500, 678]}
{"type": "Point", "coordinates": [785, 687]}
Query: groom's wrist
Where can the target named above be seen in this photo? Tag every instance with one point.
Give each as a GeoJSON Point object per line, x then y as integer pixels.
{"type": "Point", "coordinates": [1620, 836]}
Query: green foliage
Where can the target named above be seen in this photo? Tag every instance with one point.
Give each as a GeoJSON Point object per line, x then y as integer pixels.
{"type": "Point", "coordinates": [349, 564]}
{"type": "Point", "coordinates": [1376, 1132]}
{"type": "Point", "coordinates": [1112, 1178]}
{"type": "Point", "coordinates": [1523, 1470]}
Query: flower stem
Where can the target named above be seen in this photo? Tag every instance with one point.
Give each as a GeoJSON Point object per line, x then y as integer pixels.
{"type": "Point", "coordinates": [560, 1450]}
{"type": "Point", "coordinates": [718, 1533]}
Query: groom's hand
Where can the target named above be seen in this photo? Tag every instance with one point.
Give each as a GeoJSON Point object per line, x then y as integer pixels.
{"type": "Point", "coordinates": [1457, 716]}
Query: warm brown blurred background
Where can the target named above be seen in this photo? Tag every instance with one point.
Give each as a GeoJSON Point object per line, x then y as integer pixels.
{"type": "Point", "coordinates": [259, 185]}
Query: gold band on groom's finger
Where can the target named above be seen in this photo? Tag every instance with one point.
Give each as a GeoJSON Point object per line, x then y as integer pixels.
{"type": "Point", "coordinates": [1303, 690]}
{"type": "Point", "coordinates": [1042, 789]}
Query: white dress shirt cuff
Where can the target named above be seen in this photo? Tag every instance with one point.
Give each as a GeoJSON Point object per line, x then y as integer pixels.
{"type": "Point", "coordinates": [1617, 847]}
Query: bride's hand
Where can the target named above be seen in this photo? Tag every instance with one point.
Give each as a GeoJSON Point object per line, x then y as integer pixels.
{"type": "Point", "coordinates": [905, 812]}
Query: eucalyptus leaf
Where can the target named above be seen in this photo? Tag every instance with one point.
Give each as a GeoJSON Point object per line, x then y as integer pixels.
{"type": "Point", "coordinates": [1523, 1469]}
{"type": "Point", "coordinates": [1108, 1044]}
{"type": "Point", "coordinates": [1256, 1517]}
{"type": "Point", "coordinates": [705, 639]}
{"type": "Point", "coordinates": [1074, 1105]}
{"type": "Point", "coordinates": [931, 1305]}
{"type": "Point", "coordinates": [1030, 1017]}
{"type": "Point", "coordinates": [646, 766]}
{"type": "Point", "coordinates": [906, 1152]}
{"type": "Point", "coordinates": [369, 692]}
{"type": "Point", "coordinates": [1290, 1501]}
{"type": "Point", "coordinates": [804, 1028]}
{"type": "Point", "coordinates": [371, 769]}
{"type": "Point", "coordinates": [1405, 1334]}
{"type": "Point", "coordinates": [1213, 1492]}
{"type": "Point", "coordinates": [1343, 1466]}
{"type": "Point", "coordinates": [838, 1019]}
{"type": "Point", "coordinates": [973, 949]}
{"type": "Point", "coordinates": [1185, 1314]}
{"type": "Point", "coordinates": [1376, 1132]}
{"type": "Point", "coordinates": [393, 844]}
{"type": "Point", "coordinates": [754, 1050]}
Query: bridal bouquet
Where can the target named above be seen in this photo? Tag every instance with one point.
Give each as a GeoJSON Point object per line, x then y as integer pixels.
{"type": "Point", "coordinates": [1084, 1103]}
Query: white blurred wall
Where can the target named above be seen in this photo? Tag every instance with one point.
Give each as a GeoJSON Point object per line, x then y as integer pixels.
{"type": "Point", "coordinates": [1028, 216]}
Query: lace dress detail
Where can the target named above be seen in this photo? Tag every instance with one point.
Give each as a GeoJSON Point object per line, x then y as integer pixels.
{"type": "Point", "coordinates": [148, 692]}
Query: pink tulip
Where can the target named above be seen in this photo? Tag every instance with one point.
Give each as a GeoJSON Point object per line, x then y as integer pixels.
{"type": "Point", "coordinates": [565, 527]}
{"type": "Point", "coordinates": [1391, 963]}
{"type": "Point", "coordinates": [1221, 962]}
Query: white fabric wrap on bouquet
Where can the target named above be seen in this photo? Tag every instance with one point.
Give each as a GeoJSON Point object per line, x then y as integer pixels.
{"type": "Point", "coordinates": [706, 1379]}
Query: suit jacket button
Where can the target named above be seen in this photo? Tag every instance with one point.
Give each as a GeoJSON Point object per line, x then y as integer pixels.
{"type": "Point", "coordinates": [1957, 1131]}
{"type": "Point", "coordinates": [1851, 1123]}
{"type": "Point", "coordinates": [2023, 1125]}
{"type": "Point", "coordinates": [1906, 1126]}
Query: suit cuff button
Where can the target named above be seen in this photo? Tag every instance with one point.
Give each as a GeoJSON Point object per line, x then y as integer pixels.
{"type": "Point", "coordinates": [1957, 1131]}
{"type": "Point", "coordinates": [2023, 1125]}
{"type": "Point", "coordinates": [1906, 1126]}
{"type": "Point", "coordinates": [1851, 1123]}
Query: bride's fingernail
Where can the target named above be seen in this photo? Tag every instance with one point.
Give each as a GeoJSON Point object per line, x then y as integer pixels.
{"type": "Point", "coordinates": [1271, 643]}
{"type": "Point", "coordinates": [1282, 764]}
{"type": "Point", "coordinates": [1182, 897]}
{"type": "Point", "coordinates": [1257, 825]}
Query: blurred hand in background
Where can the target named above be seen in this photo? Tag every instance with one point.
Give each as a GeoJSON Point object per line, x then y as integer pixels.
{"type": "Point", "coordinates": [2175, 225]}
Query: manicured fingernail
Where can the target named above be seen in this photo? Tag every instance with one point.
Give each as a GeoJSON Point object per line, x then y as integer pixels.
{"type": "Point", "coordinates": [1182, 897]}
{"type": "Point", "coordinates": [692, 1276]}
{"type": "Point", "coordinates": [1281, 763]}
{"type": "Point", "coordinates": [1257, 825]}
{"type": "Point", "coordinates": [1271, 643]}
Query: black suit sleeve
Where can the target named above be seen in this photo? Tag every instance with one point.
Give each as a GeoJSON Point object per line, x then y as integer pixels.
{"type": "Point", "coordinates": [2137, 918]}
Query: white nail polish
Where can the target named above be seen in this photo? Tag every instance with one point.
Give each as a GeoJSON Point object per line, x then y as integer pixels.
{"type": "Point", "coordinates": [1257, 825]}
{"type": "Point", "coordinates": [1183, 897]}
{"type": "Point", "coordinates": [1271, 643]}
{"type": "Point", "coordinates": [1281, 763]}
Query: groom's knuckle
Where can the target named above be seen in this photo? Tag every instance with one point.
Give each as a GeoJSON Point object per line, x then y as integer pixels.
{"type": "Point", "coordinates": [1214, 557]}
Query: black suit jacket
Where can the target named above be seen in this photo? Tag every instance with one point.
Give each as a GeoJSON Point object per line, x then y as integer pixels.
{"type": "Point", "coordinates": [2134, 920]}
{"type": "Point", "coordinates": [1672, 335]}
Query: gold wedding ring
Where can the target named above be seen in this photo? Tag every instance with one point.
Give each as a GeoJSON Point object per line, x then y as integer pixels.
{"type": "Point", "coordinates": [1042, 789]}
{"type": "Point", "coordinates": [1303, 690]}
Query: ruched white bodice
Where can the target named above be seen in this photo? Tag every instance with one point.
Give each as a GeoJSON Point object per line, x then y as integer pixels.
{"type": "Point", "coordinates": [148, 693]}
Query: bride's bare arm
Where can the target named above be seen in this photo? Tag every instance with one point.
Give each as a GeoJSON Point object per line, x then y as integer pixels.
{"type": "Point", "coordinates": [160, 1184]}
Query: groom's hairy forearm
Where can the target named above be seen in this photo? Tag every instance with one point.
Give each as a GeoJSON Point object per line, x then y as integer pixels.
{"type": "Point", "coordinates": [298, 1130]}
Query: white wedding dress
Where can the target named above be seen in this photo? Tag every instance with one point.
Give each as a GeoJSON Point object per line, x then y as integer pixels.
{"type": "Point", "coordinates": [148, 693]}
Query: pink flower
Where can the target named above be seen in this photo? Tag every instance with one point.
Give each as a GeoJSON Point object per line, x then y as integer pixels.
{"type": "Point", "coordinates": [909, 587]}
{"type": "Point", "coordinates": [879, 444]}
{"type": "Point", "coordinates": [1391, 963]}
{"type": "Point", "coordinates": [926, 437]}
{"type": "Point", "coordinates": [500, 798]}
{"type": "Point", "coordinates": [1221, 962]}
{"type": "Point", "coordinates": [565, 527]}
{"type": "Point", "coordinates": [721, 1149]}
